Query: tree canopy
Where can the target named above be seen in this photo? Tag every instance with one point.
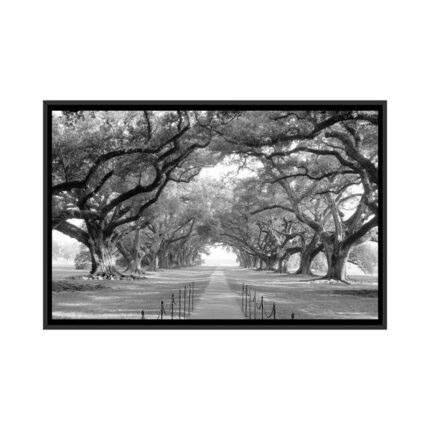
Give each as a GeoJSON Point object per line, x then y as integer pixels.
{"type": "Point", "coordinates": [133, 180]}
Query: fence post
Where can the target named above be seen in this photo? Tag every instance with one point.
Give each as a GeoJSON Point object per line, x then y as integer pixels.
{"type": "Point", "coordinates": [173, 299]}
{"type": "Point", "coordinates": [189, 299]}
{"type": "Point", "coordinates": [185, 300]}
{"type": "Point", "coordinates": [274, 311]}
{"type": "Point", "coordinates": [246, 300]}
{"type": "Point", "coordinates": [250, 303]}
{"type": "Point", "coordinates": [243, 290]}
{"type": "Point", "coordinates": [143, 314]}
{"type": "Point", "coordinates": [180, 300]}
{"type": "Point", "coordinates": [161, 310]}
{"type": "Point", "coordinates": [262, 308]}
{"type": "Point", "coordinates": [192, 298]}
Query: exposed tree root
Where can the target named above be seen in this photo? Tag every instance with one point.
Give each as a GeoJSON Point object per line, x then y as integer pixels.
{"type": "Point", "coordinates": [107, 277]}
{"type": "Point", "coordinates": [136, 274]}
{"type": "Point", "coordinates": [344, 281]}
{"type": "Point", "coordinates": [327, 279]}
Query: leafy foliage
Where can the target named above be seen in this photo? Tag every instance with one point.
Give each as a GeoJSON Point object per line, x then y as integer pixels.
{"type": "Point", "coordinates": [131, 178]}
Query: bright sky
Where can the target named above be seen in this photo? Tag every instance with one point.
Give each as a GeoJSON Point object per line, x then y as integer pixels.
{"type": "Point", "coordinates": [227, 167]}
{"type": "Point", "coordinates": [63, 239]}
{"type": "Point", "coordinates": [219, 257]}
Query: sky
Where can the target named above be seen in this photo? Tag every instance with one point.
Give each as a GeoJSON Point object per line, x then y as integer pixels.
{"type": "Point", "coordinates": [219, 257]}
{"type": "Point", "coordinates": [63, 239]}
{"type": "Point", "coordinates": [228, 167]}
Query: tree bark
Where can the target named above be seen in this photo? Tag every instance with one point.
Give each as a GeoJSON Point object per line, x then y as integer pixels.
{"type": "Point", "coordinates": [271, 263]}
{"type": "Point", "coordinates": [136, 261]}
{"type": "Point", "coordinates": [136, 266]}
{"type": "Point", "coordinates": [102, 258]}
{"type": "Point", "coordinates": [93, 264]}
{"type": "Point", "coordinates": [280, 265]}
{"type": "Point", "coordinates": [307, 256]}
{"type": "Point", "coordinates": [155, 263]}
{"type": "Point", "coordinates": [133, 256]}
{"type": "Point", "coordinates": [337, 256]}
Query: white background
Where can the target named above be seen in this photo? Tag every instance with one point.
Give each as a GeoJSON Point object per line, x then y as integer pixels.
{"type": "Point", "coordinates": [135, 50]}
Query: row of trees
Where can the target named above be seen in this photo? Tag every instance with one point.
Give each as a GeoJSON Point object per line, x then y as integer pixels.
{"type": "Point", "coordinates": [318, 177]}
{"type": "Point", "coordinates": [172, 235]}
{"type": "Point", "coordinates": [130, 178]}
{"type": "Point", "coordinates": [265, 235]}
{"type": "Point", "coordinates": [110, 168]}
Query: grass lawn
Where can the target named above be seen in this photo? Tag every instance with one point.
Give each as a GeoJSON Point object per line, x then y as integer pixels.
{"type": "Point", "coordinates": [102, 299]}
{"type": "Point", "coordinates": [308, 300]}
{"type": "Point", "coordinates": [122, 299]}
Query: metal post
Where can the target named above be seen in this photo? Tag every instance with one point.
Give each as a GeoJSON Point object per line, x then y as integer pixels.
{"type": "Point", "coordinates": [173, 299]}
{"type": "Point", "coordinates": [274, 311]}
{"type": "Point", "coordinates": [161, 310]}
{"type": "Point", "coordinates": [255, 305]}
{"type": "Point", "coordinates": [179, 311]}
{"type": "Point", "coordinates": [192, 298]}
{"type": "Point", "coordinates": [250, 302]}
{"type": "Point", "coordinates": [262, 308]}
{"type": "Point", "coordinates": [246, 300]}
{"type": "Point", "coordinates": [243, 290]}
{"type": "Point", "coordinates": [185, 300]}
{"type": "Point", "coordinates": [189, 299]}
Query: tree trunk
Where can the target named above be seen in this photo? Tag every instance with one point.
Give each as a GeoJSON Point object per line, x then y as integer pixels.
{"type": "Point", "coordinates": [180, 260]}
{"type": "Point", "coordinates": [161, 260]}
{"type": "Point", "coordinates": [136, 261]}
{"type": "Point", "coordinates": [133, 256]}
{"type": "Point", "coordinates": [102, 249]}
{"type": "Point", "coordinates": [93, 264]}
{"type": "Point", "coordinates": [136, 265]}
{"type": "Point", "coordinates": [270, 263]}
{"type": "Point", "coordinates": [305, 263]}
{"type": "Point", "coordinates": [307, 256]}
{"type": "Point", "coordinates": [103, 262]}
{"type": "Point", "coordinates": [154, 263]}
{"type": "Point", "coordinates": [337, 256]}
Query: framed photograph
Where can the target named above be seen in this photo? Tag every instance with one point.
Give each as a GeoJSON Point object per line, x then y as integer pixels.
{"type": "Point", "coordinates": [215, 214]}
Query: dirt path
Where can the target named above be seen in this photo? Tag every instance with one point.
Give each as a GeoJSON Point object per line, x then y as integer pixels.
{"type": "Point", "coordinates": [218, 301]}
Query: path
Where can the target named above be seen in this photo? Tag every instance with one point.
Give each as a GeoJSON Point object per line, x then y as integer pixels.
{"type": "Point", "coordinates": [218, 301]}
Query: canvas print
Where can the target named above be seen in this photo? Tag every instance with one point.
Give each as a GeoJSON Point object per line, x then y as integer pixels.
{"type": "Point", "coordinates": [187, 215]}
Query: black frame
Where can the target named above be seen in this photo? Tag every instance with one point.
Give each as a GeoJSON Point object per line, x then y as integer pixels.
{"type": "Point", "coordinates": [379, 323]}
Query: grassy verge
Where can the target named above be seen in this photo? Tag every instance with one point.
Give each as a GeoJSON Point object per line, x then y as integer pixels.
{"type": "Point", "coordinates": [104, 299]}
{"type": "Point", "coordinates": [306, 297]}
{"type": "Point", "coordinates": [63, 286]}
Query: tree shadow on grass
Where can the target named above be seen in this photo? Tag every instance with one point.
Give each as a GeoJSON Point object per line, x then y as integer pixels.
{"type": "Point", "coordinates": [358, 293]}
{"type": "Point", "coordinates": [63, 286]}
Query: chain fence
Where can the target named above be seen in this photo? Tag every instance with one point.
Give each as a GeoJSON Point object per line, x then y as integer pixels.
{"type": "Point", "coordinates": [180, 309]}
{"type": "Point", "coordinates": [253, 308]}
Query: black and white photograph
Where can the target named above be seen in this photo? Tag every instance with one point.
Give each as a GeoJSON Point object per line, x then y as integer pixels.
{"type": "Point", "coordinates": [219, 213]}
{"type": "Point", "coordinates": [213, 215]}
